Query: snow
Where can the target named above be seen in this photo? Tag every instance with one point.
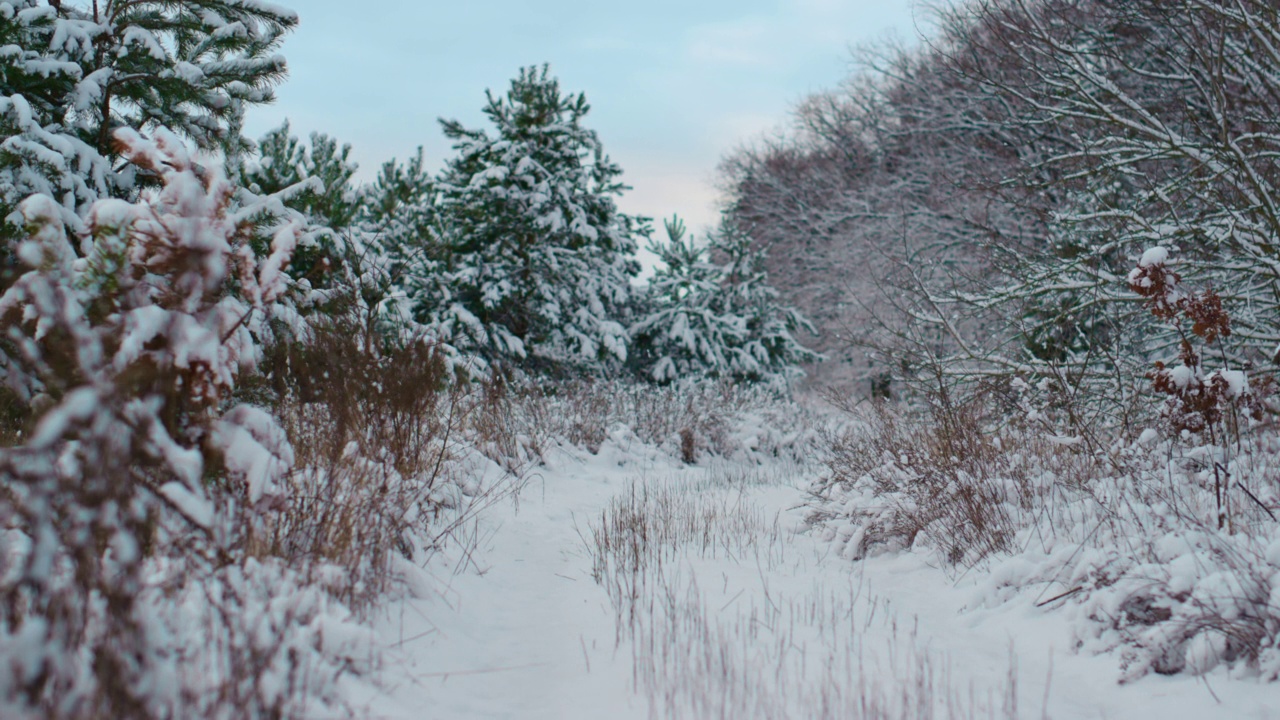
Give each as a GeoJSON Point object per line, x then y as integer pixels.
{"type": "Point", "coordinates": [194, 507]}
{"type": "Point", "coordinates": [517, 627]}
{"type": "Point", "coordinates": [1237, 383]}
{"type": "Point", "coordinates": [512, 635]}
{"type": "Point", "coordinates": [1154, 256]}
{"type": "Point", "coordinates": [255, 448]}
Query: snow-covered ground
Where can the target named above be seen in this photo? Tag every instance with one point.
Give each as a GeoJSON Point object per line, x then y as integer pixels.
{"type": "Point", "coordinates": [736, 613]}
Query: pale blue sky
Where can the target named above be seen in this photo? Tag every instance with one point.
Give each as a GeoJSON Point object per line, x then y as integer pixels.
{"type": "Point", "coordinates": [673, 84]}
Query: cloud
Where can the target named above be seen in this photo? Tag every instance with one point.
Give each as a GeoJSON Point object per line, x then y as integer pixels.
{"type": "Point", "coordinates": [746, 125]}
{"type": "Point", "coordinates": [663, 186]}
{"type": "Point", "coordinates": [666, 186]}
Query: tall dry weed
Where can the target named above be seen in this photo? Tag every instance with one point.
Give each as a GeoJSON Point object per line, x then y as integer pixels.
{"type": "Point", "coordinates": [373, 427]}
{"type": "Point", "coordinates": [952, 477]}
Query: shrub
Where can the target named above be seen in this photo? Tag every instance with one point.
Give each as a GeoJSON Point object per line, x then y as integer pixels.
{"type": "Point", "coordinates": [1128, 532]}
{"type": "Point", "coordinates": [374, 428]}
{"type": "Point", "coordinates": [940, 479]}
{"type": "Point", "coordinates": [521, 419]}
{"type": "Point", "coordinates": [136, 484]}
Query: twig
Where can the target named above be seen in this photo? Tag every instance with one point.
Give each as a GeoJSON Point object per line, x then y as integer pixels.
{"type": "Point", "coordinates": [1254, 498]}
{"type": "Point", "coordinates": [1066, 594]}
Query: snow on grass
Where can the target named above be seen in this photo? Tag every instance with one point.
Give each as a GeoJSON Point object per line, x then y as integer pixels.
{"type": "Point", "coordinates": [728, 613]}
{"type": "Point", "coordinates": [716, 609]}
{"type": "Point", "coordinates": [1118, 554]}
{"type": "Point", "coordinates": [625, 584]}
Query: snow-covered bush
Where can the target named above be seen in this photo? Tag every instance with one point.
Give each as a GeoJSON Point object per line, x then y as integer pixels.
{"type": "Point", "coordinates": [897, 480]}
{"type": "Point", "coordinates": [135, 480]}
{"type": "Point", "coordinates": [375, 429]}
{"type": "Point", "coordinates": [1214, 405]}
{"type": "Point", "coordinates": [1136, 558]}
{"type": "Point", "coordinates": [1126, 538]}
{"type": "Point", "coordinates": [692, 421]}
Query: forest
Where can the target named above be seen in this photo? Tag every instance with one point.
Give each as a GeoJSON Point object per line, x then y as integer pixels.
{"type": "Point", "coordinates": [985, 338]}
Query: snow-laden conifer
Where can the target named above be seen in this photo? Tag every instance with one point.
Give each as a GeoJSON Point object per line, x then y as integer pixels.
{"type": "Point", "coordinates": [315, 180]}
{"type": "Point", "coordinates": [535, 260]}
{"type": "Point", "coordinates": [717, 320]}
{"type": "Point", "coordinates": [73, 72]}
{"type": "Point", "coordinates": [126, 506]}
{"type": "Point", "coordinates": [284, 162]}
{"type": "Point", "coordinates": [400, 218]}
{"type": "Point", "coordinates": [770, 351]}
{"type": "Point", "coordinates": [686, 333]}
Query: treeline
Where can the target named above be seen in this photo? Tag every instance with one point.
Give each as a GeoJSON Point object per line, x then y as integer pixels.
{"type": "Point", "coordinates": [973, 208]}
{"type": "Point", "coordinates": [512, 258]}
{"type": "Point", "coordinates": [515, 257]}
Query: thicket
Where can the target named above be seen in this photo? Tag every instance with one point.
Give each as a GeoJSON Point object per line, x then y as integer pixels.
{"type": "Point", "coordinates": [998, 183]}
{"type": "Point", "coordinates": [1063, 213]}
{"type": "Point", "coordinates": [515, 260]}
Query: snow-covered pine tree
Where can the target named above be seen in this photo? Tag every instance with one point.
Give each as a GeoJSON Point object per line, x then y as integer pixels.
{"type": "Point", "coordinates": [73, 72]}
{"type": "Point", "coordinates": [686, 333]}
{"type": "Point", "coordinates": [537, 259]}
{"type": "Point", "coordinates": [769, 351]}
{"type": "Point", "coordinates": [719, 321]}
{"type": "Point", "coordinates": [139, 463]}
{"type": "Point", "coordinates": [315, 181]}
{"type": "Point", "coordinates": [284, 161]}
{"type": "Point", "coordinates": [397, 229]}
{"type": "Point", "coordinates": [400, 217]}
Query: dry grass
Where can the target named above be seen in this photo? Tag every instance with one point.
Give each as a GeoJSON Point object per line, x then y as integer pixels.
{"type": "Point", "coordinates": [373, 431]}
{"type": "Point", "coordinates": [733, 638]}
{"type": "Point", "coordinates": [944, 479]}
{"type": "Point", "coordinates": [1131, 532]}
{"type": "Point", "coordinates": [515, 423]}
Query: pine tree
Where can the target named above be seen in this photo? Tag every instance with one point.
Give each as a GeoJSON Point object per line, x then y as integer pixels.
{"type": "Point", "coordinates": [396, 232]}
{"type": "Point", "coordinates": [315, 181]}
{"type": "Point", "coordinates": [686, 332]}
{"type": "Point", "coordinates": [74, 74]}
{"type": "Point", "coordinates": [718, 321]}
{"type": "Point", "coordinates": [319, 176]}
{"type": "Point", "coordinates": [536, 257]}
{"type": "Point", "coordinates": [769, 351]}
{"type": "Point", "coordinates": [71, 75]}
{"type": "Point", "coordinates": [401, 219]}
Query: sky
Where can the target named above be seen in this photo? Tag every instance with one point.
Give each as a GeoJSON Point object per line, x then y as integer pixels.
{"type": "Point", "coordinates": [674, 85]}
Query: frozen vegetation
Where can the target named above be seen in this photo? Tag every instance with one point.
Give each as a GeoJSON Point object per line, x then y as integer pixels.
{"type": "Point", "coordinates": [275, 443]}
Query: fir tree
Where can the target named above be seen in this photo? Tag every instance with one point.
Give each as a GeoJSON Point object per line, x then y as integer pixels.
{"type": "Point", "coordinates": [535, 256]}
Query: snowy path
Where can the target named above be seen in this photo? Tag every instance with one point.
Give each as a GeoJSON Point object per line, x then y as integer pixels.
{"type": "Point", "coordinates": [523, 630]}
